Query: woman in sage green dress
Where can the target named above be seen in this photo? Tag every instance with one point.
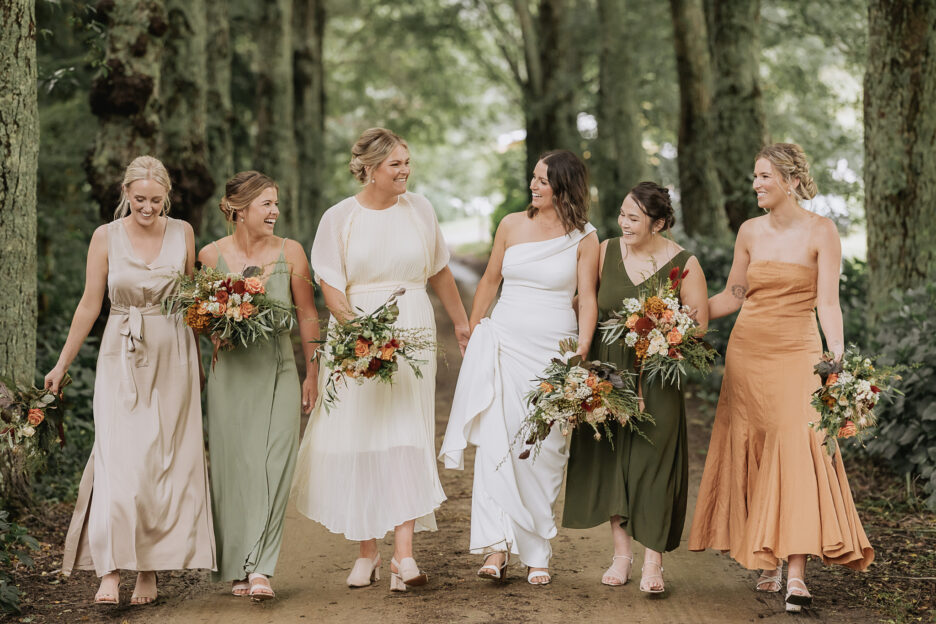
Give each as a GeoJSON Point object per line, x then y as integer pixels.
{"type": "Point", "coordinates": [254, 394]}
{"type": "Point", "coordinates": [639, 483]}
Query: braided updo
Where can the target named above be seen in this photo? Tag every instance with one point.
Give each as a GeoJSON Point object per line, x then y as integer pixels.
{"type": "Point", "coordinates": [654, 200]}
{"type": "Point", "coordinates": [790, 162]}
{"type": "Point", "coordinates": [372, 148]}
{"type": "Point", "coordinates": [241, 190]}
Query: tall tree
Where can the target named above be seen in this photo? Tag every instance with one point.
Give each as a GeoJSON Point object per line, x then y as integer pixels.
{"type": "Point", "coordinates": [276, 153]}
{"type": "Point", "coordinates": [739, 130]}
{"type": "Point", "coordinates": [619, 161]}
{"type": "Point", "coordinates": [183, 91]}
{"type": "Point", "coordinates": [900, 140]}
{"type": "Point", "coordinates": [19, 162]}
{"type": "Point", "coordinates": [309, 87]}
{"type": "Point", "coordinates": [218, 123]}
{"type": "Point", "coordinates": [124, 95]}
{"type": "Point", "coordinates": [700, 194]}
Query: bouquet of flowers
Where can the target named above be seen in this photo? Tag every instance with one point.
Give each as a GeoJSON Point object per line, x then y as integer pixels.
{"type": "Point", "coordinates": [849, 393]}
{"type": "Point", "coordinates": [232, 307]}
{"type": "Point", "coordinates": [368, 346]}
{"type": "Point", "coordinates": [575, 391]}
{"type": "Point", "coordinates": [662, 332]}
{"type": "Point", "coordinates": [31, 421]}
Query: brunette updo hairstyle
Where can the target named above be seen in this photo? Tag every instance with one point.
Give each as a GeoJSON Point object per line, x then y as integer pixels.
{"type": "Point", "coordinates": [241, 190]}
{"type": "Point", "coordinates": [654, 200]}
{"type": "Point", "coordinates": [568, 179]}
{"type": "Point", "coordinates": [372, 148]}
{"type": "Point", "coordinates": [143, 168]}
{"type": "Point", "coordinates": [790, 162]}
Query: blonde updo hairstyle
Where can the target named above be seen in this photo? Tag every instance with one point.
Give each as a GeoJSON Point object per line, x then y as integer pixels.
{"type": "Point", "coordinates": [241, 190]}
{"type": "Point", "coordinates": [143, 168]}
{"type": "Point", "coordinates": [790, 162]}
{"type": "Point", "coordinates": [372, 148]}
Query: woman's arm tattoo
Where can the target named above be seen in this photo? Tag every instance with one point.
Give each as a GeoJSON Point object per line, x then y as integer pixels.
{"type": "Point", "coordinates": [739, 291]}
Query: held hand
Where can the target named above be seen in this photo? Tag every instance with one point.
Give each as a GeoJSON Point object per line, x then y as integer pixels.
{"type": "Point", "coordinates": [462, 335]}
{"type": "Point", "coordinates": [309, 393]}
{"type": "Point", "coordinates": [53, 381]}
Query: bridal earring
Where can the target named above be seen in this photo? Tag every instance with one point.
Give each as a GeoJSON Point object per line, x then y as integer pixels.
{"type": "Point", "coordinates": [373, 181]}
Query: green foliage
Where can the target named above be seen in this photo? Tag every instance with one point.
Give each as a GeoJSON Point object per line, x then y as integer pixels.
{"type": "Point", "coordinates": [853, 297]}
{"type": "Point", "coordinates": [907, 428]}
{"type": "Point", "coordinates": [15, 547]}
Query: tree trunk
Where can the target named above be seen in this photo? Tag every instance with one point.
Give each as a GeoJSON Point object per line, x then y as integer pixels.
{"type": "Point", "coordinates": [19, 165]}
{"type": "Point", "coordinates": [183, 89]}
{"type": "Point", "coordinates": [900, 141]}
{"type": "Point", "coordinates": [700, 195]}
{"type": "Point", "coordinates": [738, 109]}
{"type": "Point", "coordinates": [218, 122]}
{"type": "Point", "coordinates": [124, 96]}
{"type": "Point", "coordinates": [310, 109]}
{"type": "Point", "coordinates": [275, 151]}
{"type": "Point", "coordinates": [618, 163]}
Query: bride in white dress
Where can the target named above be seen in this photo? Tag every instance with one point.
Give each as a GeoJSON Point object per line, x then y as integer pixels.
{"type": "Point", "coordinates": [368, 466]}
{"type": "Point", "coordinates": [543, 256]}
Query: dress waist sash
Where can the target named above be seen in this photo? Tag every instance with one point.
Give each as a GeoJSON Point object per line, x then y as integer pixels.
{"type": "Point", "coordinates": [131, 328]}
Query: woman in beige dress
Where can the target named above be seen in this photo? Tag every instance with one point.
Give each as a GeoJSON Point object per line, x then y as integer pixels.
{"type": "Point", "coordinates": [150, 508]}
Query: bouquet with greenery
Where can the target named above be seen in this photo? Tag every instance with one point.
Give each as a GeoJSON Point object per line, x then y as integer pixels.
{"type": "Point", "coordinates": [574, 391]}
{"type": "Point", "coordinates": [851, 389]}
{"type": "Point", "coordinates": [31, 422]}
{"type": "Point", "coordinates": [233, 308]}
{"type": "Point", "coordinates": [369, 346]}
{"type": "Point", "coordinates": [662, 332]}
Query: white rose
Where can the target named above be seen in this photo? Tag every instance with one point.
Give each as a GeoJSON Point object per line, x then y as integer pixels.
{"type": "Point", "coordinates": [27, 431]}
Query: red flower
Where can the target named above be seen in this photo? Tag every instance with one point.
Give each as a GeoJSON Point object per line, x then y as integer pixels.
{"type": "Point", "coordinates": [221, 296]}
{"type": "Point", "coordinates": [674, 273]}
{"type": "Point", "coordinates": [875, 389]}
{"type": "Point", "coordinates": [643, 325]}
{"type": "Point", "coordinates": [684, 274]}
{"type": "Point", "coordinates": [374, 364]}
{"type": "Point", "coordinates": [239, 287]}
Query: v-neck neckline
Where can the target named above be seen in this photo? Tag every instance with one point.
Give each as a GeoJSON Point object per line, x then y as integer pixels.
{"type": "Point", "coordinates": [133, 251]}
{"type": "Point", "coordinates": [264, 279]}
{"type": "Point", "coordinates": [649, 277]}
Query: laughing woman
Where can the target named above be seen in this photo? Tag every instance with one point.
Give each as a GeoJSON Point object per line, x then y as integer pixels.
{"type": "Point", "coordinates": [254, 393]}
{"type": "Point", "coordinates": [143, 500]}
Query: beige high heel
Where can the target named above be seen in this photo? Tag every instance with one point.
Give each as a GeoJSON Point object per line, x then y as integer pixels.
{"type": "Point", "coordinates": [612, 573]}
{"type": "Point", "coordinates": [497, 573]}
{"type": "Point", "coordinates": [771, 581]}
{"type": "Point", "coordinates": [407, 575]}
{"type": "Point", "coordinates": [646, 580]}
{"type": "Point", "coordinates": [796, 601]}
{"type": "Point", "coordinates": [364, 572]}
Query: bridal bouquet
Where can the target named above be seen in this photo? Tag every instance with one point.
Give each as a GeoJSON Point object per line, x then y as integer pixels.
{"type": "Point", "coordinates": [662, 332]}
{"type": "Point", "coordinates": [574, 392]}
{"type": "Point", "coordinates": [31, 421]}
{"type": "Point", "coordinates": [849, 393]}
{"type": "Point", "coordinates": [232, 307]}
{"type": "Point", "coordinates": [369, 346]}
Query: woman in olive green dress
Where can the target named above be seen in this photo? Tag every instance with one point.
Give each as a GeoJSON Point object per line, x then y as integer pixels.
{"type": "Point", "coordinates": [640, 483]}
{"type": "Point", "coordinates": [254, 394]}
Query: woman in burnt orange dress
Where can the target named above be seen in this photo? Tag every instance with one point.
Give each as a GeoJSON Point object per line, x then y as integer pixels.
{"type": "Point", "coordinates": [770, 491]}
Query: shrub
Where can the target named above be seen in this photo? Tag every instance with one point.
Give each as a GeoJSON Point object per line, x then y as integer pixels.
{"type": "Point", "coordinates": [15, 546]}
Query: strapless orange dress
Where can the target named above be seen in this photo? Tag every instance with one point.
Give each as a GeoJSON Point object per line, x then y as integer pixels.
{"type": "Point", "coordinates": [770, 489]}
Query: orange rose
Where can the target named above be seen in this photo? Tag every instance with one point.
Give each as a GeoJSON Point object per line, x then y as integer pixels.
{"type": "Point", "coordinates": [668, 315]}
{"type": "Point", "coordinates": [831, 379]}
{"type": "Point", "coordinates": [387, 351]}
{"type": "Point", "coordinates": [253, 285]}
{"type": "Point", "coordinates": [222, 308]}
{"type": "Point", "coordinates": [591, 381]}
{"type": "Point", "coordinates": [848, 430]}
{"type": "Point", "coordinates": [247, 309]}
{"type": "Point", "coordinates": [545, 386]}
{"type": "Point", "coordinates": [35, 416]}
{"type": "Point", "coordinates": [631, 321]}
{"type": "Point", "coordinates": [674, 337]}
{"type": "Point", "coordinates": [362, 347]}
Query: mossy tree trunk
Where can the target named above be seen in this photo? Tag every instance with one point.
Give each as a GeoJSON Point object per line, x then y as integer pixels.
{"type": "Point", "coordinates": [276, 153]}
{"type": "Point", "coordinates": [125, 94]}
{"type": "Point", "coordinates": [900, 144]}
{"type": "Point", "coordinates": [619, 159]}
{"type": "Point", "coordinates": [19, 164]}
{"type": "Point", "coordinates": [183, 91]}
{"type": "Point", "coordinates": [739, 130]}
{"type": "Point", "coordinates": [219, 121]}
{"type": "Point", "coordinates": [309, 77]}
{"type": "Point", "coordinates": [700, 194]}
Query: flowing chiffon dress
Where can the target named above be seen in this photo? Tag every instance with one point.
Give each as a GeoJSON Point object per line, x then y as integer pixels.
{"type": "Point", "coordinates": [143, 498]}
{"type": "Point", "coordinates": [253, 433]}
{"type": "Point", "coordinates": [644, 480]}
{"type": "Point", "coordinates": [368, 464]}
{"type": "Point", "coordinates": [512, 499]}
{"type": "Point", "coordinates": [770, 489]}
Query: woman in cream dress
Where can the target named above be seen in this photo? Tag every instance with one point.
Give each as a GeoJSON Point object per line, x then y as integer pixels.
{"type": "Point", "coordinates": [367, 466]}
{"type": "Point", "coordinates": [143, 499]}
{"type": "Point", "coordinates": [543, 256]}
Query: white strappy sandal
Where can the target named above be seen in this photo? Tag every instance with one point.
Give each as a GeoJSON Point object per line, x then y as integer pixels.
{"type": "Point", "coordinates": [796, 602]}
{"type": "Point", "coordinates": [621, 579]}
{"type": "Point", "coordinates": [532, 574]}
{"type": "Point", "coordinates": [496, 573]}
{"type": "Point", "coordinates": [774, 580]}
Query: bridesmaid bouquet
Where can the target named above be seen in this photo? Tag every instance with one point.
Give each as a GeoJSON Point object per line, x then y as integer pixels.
{"type": "Point", "coordinates": [232, 307]}
{"type": "Point", "coordinates": [574, 392]}
{"type": "Point", "coordinates": [369, 346]}
{"type": "Point", "coordinates": [662, 332]}
{"type": "Point", "coordinates": [31, 421]}
{"type": "Point", "coordinates": [849, 393]}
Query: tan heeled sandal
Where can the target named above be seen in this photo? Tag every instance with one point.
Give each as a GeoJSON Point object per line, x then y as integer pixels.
{"type": "Point", "coordinates": [796, 601]}
{"type": "Point", "coordinates": [364, 572]}
{"type": "Point", "coordinates": [612, 573]}
{"type": "Point", "coordinates": [645, 579]}
{"type": "Point", "coordinates": [772, 581]}
{"type": "Point", "coordinates": [407, 575]}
